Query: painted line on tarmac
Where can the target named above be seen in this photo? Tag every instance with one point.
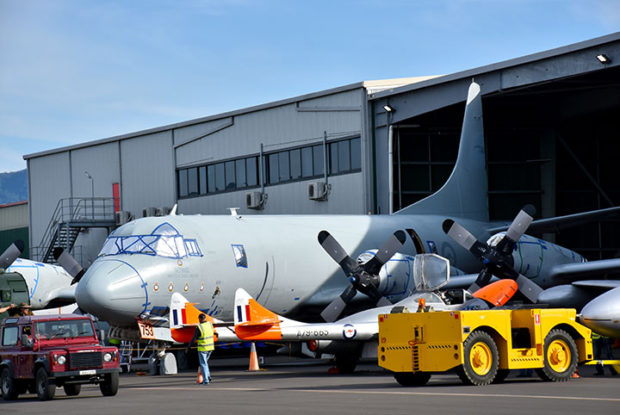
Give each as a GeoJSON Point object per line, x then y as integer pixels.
{"type": "Point", "coordinates": [367, 392]}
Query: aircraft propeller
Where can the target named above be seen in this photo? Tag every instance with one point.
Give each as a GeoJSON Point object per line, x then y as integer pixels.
{"type": "Point", "coordinates": [69, 264]}
{"type": "Point", "coordinates": [11, 254]}
{"type": "Point", "coordinates": [497, 258]}
{"type": "Point", "coordinates": [364, 277]}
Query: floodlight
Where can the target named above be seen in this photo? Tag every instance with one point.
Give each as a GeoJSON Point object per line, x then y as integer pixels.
{"type": "Point", "coordinates": [604, 59]}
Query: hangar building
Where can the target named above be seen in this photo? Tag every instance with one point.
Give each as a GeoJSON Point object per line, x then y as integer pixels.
{"type": "Point", "coordinates": [551, 129]}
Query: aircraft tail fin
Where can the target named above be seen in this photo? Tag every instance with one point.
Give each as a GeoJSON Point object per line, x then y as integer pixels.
{"type": "Point", "coordinates": [465, 192]}
{"type": "Point", "coordinates": [184, 318]}
{"type": "Point", "coordinates": [255, 322]}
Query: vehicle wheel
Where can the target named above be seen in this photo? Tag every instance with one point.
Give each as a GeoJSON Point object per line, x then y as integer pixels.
{"type": "Point", "coordinates": [481, 359]}
{"type": "Point", "coordinates": [72, 389]}
{"type": "Point", "coordinates": [8, 386]}
{"type": "Point", "coordinates": [501, 375]}
{"type": "Point", "coordinates": [560, 355]}
{"type": "Point", "coordinates": [412, 379]}
{"type": "Point", "coordinates": [46, 389]}
{"type": "Point", "coordinates": [109, 386]}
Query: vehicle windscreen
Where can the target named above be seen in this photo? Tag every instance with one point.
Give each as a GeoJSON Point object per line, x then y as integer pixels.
{"type": "Point", "coordinates": [66, 329]}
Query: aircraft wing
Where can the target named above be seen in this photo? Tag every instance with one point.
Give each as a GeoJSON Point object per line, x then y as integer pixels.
{"type": "Point", "coordinates": [463, 281]}
{"type": "Point", "coordinates": [58, 297]}
{"type": "Point", "coordinates": [255, 322]}
{"type": "Point", "coordinates": [609, 284]}
{"type": "Point", "coordinates": [586, 269]}
{"type": "Point", "coordinates": [557, 223]}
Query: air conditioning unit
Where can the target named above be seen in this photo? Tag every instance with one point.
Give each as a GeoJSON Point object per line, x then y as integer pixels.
{"type": "Point", "coordinates": [122, 217]}
{"type": "Point", "coordinates": [150, 211]}
{"type": "Point", "coordinates": [317, 191]}
{"type": "Point", "coordinates": [254, 200]}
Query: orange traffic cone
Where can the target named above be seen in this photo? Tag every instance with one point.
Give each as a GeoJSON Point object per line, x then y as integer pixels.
{"type": "Point", "coordinates": [199, 378]}
{"type": "Point", "coordinates": [575, 375]}
{"type": "Point", "coordinates": [253, 359]}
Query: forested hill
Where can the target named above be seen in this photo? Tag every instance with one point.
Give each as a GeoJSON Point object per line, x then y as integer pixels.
{"type": "Point", "coordinates": [13, 187]}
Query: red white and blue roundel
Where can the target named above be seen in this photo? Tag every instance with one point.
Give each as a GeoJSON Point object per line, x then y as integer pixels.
{"type": "Point", "coordinates": [349, 331]}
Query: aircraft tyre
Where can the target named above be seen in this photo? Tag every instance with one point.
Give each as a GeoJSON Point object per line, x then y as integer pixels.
{"type": "Point", "coordinates": [72, 389]}
{"type": "Point", "coordinates": [8, 385]}
{"type": "Point", "coordinates": [109, 386]}
{"type": "Point", "coordinates": [46, 389]}
{"type": "Point", "coordinates": [412, 379]}
{"type": "Point", "coordinates": [560, 353]}
{"type": "Point", "coordinates": [481, 359]}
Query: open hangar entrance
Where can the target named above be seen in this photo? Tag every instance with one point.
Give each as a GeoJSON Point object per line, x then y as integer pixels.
{"type": "Point", "coordinates": [554, 144]}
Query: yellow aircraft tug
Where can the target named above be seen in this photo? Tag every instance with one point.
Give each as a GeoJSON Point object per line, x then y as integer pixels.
{"type": "Point", "coordinates": [482, 346]}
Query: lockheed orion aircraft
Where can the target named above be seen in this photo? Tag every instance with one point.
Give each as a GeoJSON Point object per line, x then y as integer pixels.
{"type": "Point", "coordinates": [282, 260]}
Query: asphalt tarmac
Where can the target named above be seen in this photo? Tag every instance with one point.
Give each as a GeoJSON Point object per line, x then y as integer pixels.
{"type": "Point", "coordinates": [302, 387]}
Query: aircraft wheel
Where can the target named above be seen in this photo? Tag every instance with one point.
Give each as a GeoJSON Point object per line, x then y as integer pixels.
{"type": "Point", "coordinates": [481, 359]}
{"type": "Point", "coordinates": [46, 389]}
{"type": "Point", "coordinates": [560, 354]}
{"type": "Point", "coordinates": [412, 379]}
{"type": "Point", "coordinates": [109, 386]}
{"type": "Point", "coordinates": [346, 362]}
{"type": "Point", "coordinates": [8, 385]}
{"type": "Point", "coordinates": [72, 389]}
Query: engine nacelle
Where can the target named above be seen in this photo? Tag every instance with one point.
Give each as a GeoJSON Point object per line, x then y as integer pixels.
{"type": "Point", "coordinates": [541, 257]}
{"type": "Point", "coordinates": [396, 276]}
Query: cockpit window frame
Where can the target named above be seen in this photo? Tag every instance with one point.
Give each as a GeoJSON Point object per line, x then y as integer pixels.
{"type": "Point", "coordinates": [167, 244]}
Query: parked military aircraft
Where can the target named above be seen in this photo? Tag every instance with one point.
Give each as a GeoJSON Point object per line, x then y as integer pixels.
{"type": "Point", "coordinates": [277, 260]}
{"type": "Point", "coordinates": [48, 286]}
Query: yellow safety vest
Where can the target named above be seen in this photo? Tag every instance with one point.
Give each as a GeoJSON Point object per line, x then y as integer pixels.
{"type": "Point", "coordinates": [205, 341]}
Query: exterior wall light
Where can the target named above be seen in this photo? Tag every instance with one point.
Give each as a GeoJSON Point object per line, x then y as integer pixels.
{"type": "Point", "coordinates": [604, 59]}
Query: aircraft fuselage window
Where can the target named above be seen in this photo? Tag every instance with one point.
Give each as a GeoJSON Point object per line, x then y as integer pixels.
{"type": "Point", "coordinates": [240, 258]}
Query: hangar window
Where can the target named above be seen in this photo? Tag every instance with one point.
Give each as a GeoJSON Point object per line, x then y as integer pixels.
{"type": "Point", "coordinates": [283, 166]}
{"type": "Point", "coordinates": [192, 182]}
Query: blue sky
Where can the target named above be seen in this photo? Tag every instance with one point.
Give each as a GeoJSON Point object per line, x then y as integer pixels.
{"type": "Point", "coordinates": [73, 71]}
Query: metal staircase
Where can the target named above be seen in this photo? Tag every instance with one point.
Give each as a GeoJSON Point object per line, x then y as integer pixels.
{"type": "Point", "coordinates": [72, 216]}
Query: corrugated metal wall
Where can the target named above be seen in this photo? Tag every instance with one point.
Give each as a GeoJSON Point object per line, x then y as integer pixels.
{"type": "Point", "coordinates": [145, 165]}
{"type": "Point", "coordinates": [148, 174]}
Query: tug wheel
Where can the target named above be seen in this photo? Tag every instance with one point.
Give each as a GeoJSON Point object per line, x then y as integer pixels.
{"type": "Point", "coordinates": [481, 359]}
{"type": "Point", "coordinates": [560, 354]}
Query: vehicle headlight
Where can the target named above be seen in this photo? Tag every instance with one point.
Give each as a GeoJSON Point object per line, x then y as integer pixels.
{"type": "Point", "coordinates": [107, 357]}
{"type": "Point", "coordinates": [61, 360]}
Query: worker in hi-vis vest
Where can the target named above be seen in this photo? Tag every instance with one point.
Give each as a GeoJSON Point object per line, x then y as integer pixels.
{"type": "Point", "coordinates": [203, 336]}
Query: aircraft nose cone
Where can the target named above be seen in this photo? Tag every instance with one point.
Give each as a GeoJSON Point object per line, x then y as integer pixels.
{"type": "Point", "coordinates": [603, 314]}
{"type": "Point", "coordinates": [113, 291]}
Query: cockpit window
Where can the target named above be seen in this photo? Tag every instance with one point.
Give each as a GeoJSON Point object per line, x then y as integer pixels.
{"type": "Point", "coordinates": [164, 241]}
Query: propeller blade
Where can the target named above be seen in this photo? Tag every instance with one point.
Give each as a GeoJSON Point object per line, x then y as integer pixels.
{"type": "Point", "coordinates": [529, 289]}
{"type": "Point", "coordinates": [387, 251]}
{"type": "Point", "coordinates": [517, 228]}
{"type": "Point", "coordinates": [464, 238]}
{"type": "Point", "coordinates": [483, 279]}
{"type": "Point", "coordinates": [335, 308]}
{"type": "Point", "coordinates": [69, 264]}
{"type": "Point", "coordinates": [11, 254]}
{"type": "Point", "coordinates": [338, 254]}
